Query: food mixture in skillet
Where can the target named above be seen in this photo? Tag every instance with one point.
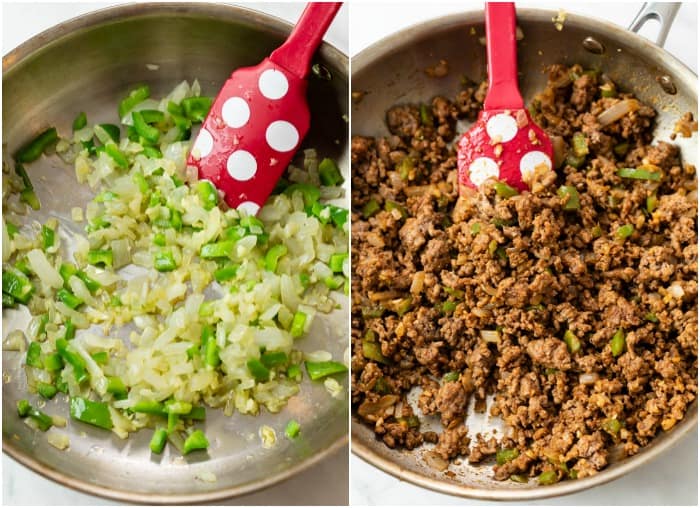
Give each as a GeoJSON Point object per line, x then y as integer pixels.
{"type": "Point", "coordinates": [212, 300]}
{"type": "Point", "coordinates": [574, 304]}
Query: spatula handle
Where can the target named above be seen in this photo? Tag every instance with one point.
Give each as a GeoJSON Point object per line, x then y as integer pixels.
{"type": "Point", "coordinates": [296, 52]}
{"type": "Point", "coordinates": [502, 57]}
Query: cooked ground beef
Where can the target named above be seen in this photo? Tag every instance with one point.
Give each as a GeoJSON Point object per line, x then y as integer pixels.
{"type": "Point", "coordinates": [518, 298]}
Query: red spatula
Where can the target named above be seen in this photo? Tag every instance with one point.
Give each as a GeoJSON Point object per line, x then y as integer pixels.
{"type": "Point", "coordinates": [504, 143]}
{"type": "Point", "coordinates": [260, 117]}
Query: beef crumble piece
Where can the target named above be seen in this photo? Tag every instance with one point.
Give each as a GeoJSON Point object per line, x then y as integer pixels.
{"type": "Point", "coordinates": [549, 287]}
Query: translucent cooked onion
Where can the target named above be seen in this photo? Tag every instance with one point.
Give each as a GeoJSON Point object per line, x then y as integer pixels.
{"type": "Point", "coordinates": [491, 336]}
{"type": "Point", "coordinates": [368, 408]}
{"type": "Point", "coordinates": [588, 378]}
{"type": "Point", "coordinates": [617, 111]}
{"type": "Point", "coordinates": [15, 341]}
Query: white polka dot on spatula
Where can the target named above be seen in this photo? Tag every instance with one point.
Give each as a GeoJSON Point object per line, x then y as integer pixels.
{"type": "Point", "coordinates": [282, 136]}
{"type": "Point", "coordinates": [202, 145]}
{"type": "Point", "coordinates": [273, 84]}
{"type": "Point", "coordinates": [531, 160]}
{"type": "Point", "coordinates": [501, 128]}
{"type": "Point", "coordinates": [482, 169]}
{"type": "Point", "coordinates": [249, 207]}
{"type": "Point", "coordinates": [235, 112]}
{"type": "Point", "coordinates": [241, 165]}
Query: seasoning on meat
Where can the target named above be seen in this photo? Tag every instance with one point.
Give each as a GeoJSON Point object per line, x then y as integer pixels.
{"type": "Point", "coordinates": [585, 336]}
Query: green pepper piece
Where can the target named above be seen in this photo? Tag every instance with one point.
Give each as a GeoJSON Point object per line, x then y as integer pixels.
{"type": "Point", "coordinates": [336, 262]}
{"type": "Point", "coordinates": [612, 426]}
{"type": "Point", "coordinates": [211, 353]}
{"type": "Point", "coordinates": [117, 155]}
{"type": "Point", "coordinates": [449, 307]}
{"type": "Point", "coordinates": [12, 229]}
{"type": "Point", "coordinates": [608, 90]}
{"type": "Point", "coordinates": [69, 298]}
{"type": "Point", "coordinates": [370, 208]}
{"type": "Point", "coordinates": [225, 273]}
{"type": "Point", "coordinates": [258, 370]}
{"type": "Point", "coordinates": [100, 357]}
{"type": "Point", "coordinates": [141, 182]}
{"type": "Point", "coordinates": [16, 284]}
{"type": "Point", "coordinates": [53, 362]}
{"type": "Point", "coordinates": [520, 478]}
{"type": "Point", "coordinates": [217, 250]}
{"type": "Point", "coordinates": [23, 407]}
{"type": "Point", "coordinates": [195, 441]}
{"type": "Point", "coordinates": [319, 370]}
{"type": "Point", "coordinates": [392, 205]}
{"type": "Point", "coordinates": [372, 351]}
{"type": "Point", "coordinates": [198, 413]}
{"type": "Point", "coordinates": [29, 196]}
{"type": "Point", "coordinates": [579, 145]}
{"type": "Point", "coordinates": [147, 132]}
{"type": "Point", "coordinates": [624, 231]}
{"type": "Point", "coordinates": [294, 372]}
{"type": "Point", "coordinates": [298, 324]}
{"type": "Point", "coordinates": [504, 190]}
{"type": "Point", "coordinates": [80, 121]}
{"type": "Point", "coordinates": [73, 359]}
{"type": "Point", "coordinates": [329, 173]}
{"type": "Point", "coordinates": [152, 116]}
{"type": "Point", "coordinates": [621, 149]}
{"type": "Point", "coordinates": [426, 116]}
{"type": "Point", "coordinates": [33, 358]}
{"type": "Point", "coordinates": [164, 261]}
{"type": "Point", "coordinates": [42, 420]}
{"type": "Point", "coordinates": [506, 455]}
{"type": "Point", "coordinates": [46, 390]}
{"type": "Point", "coordinates": [309, 193]}
{"type": "Point", "coordinates": [652, 202]}
{"type": "Point", "coordinates": [618, 343]}
{"type": "Point", "coordinates": [48, 237]}
{"type": "Point", "coordinates": [135, 97]}
{"type": "Point", "coordinates": [450, 377]}
{"type": "Point", "coordinates": [70, 330]}
{"type": "Point", "coordinates": [34, 148]}
{"type": "Point", "coordinates": [112, 132]}
{"type": "Point", "coordinates": [116, 387]}
{"type": "Point", "coordinates": [8, 301]}
{"type": "Point", "coordinates": [548, 478]}
{"type": "Point", "coordinates": [639, 174]}
{"type": "Point", "coordinates": [152, 152]}
{"type": "Point", "coordinates": [292, 429]}
{"type": "Point", "coordinates": [149, 407]}
{"type": "Point", "coordinates": [650, 316]}
{"type": "Point", "coordinates": [569, 193]}
{"type": "Point", "coordinates": [159, 239]}
{"type": "Point", "coordinates": [572, 342]}
{"type": "Point", "coordinates": [94, 413]}
{"type": "Point", "coordinates": [103, 257]}
{"type": "Point", "coordinates": [160, 436]}
{"type": "Point", "coordinates": [196, 108]}
{"type": "Point", "coordinates": [273, 255]}
{"type": "Point", "coordinates": [272, 359]}
{"type": "Point", "coordinates": [574, 161]}
{"type": "Point", "coordinates": [178, 407]}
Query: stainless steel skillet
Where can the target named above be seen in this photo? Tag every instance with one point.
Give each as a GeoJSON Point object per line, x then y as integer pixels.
{"type": "Point", "coordinates": [88, 64]}
{"type": "Point", "coordinates": [392, 71]}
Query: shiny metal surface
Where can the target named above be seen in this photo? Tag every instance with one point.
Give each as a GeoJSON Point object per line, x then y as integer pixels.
{"type": "Point", "coordinates": [392, 71]}
{"type": "Point", "coordinates": [88, 64]}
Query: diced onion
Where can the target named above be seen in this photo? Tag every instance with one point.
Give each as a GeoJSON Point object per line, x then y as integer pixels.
{"type": "Point", "coordinates": [617, 111]}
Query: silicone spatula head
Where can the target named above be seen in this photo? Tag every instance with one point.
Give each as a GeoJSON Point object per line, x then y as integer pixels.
{"type": "Point", "coordinates": [504, 143]}
{"type": "Point", "coordinates": [260, 117]}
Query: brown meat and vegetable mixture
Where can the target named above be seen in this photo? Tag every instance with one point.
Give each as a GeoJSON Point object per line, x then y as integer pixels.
{"type": "Point", "coordinates": [574, 304]}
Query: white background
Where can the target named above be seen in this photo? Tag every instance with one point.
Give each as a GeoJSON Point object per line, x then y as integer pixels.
{"type": "Point", "coordinates": [669, 480]}
{"type": "Point", "coordinates": [325, 483]}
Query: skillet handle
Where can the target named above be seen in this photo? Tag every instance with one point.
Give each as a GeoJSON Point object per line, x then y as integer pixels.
{"type": "Point", "coordinates": [663, 12]}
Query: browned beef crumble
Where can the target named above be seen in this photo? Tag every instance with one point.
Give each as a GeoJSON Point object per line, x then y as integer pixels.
{"type": "Point", "coordinates": [432, 270]}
